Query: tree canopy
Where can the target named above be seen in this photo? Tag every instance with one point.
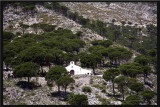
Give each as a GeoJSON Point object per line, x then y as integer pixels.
{"type": "Point", "coordinates": [148, 95]}
{"type": "Point", "coordinates": [65, 81]}
{"type": "Point", "coordinates": [141, 60]}
{"type": "Point", "coordinates": [55, 73]}
{"type": "Point", "coordinates": [131, 69]}
{"type": "Point", "coordinates": [90, 60]}
{"type": "Point", "coordinates": [132, 100]}
{"type": "Point", "coordinates": [27, 69]}
{"type": "Point", "coordinates": [121, 81]}
{"type": "Point", "coordinates": [136, 87]}
{"type": "Point", "coordinates": [8, 36]}
{"type": "Point", "coordinates": [110, 75]}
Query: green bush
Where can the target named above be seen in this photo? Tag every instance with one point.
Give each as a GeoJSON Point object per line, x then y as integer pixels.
{"type": "Point", "coordinates": [49, 85]}
{"type": "Point", "coordinates": [77, 99]}
{"type": "Point", "coordinates": [18, 33]}
{"type": "Point", "coordinates": [101, 87]}
{"type": "Point", "coordinates": [91, 81]}
{"type": "Point", "coordinates": [4, 97]}
{"type": "Point", "coordinates": [105, 102]}
{"type": "Point", "coordinates": [8, 36]}
{"type": "Point", "coordinates": [104, 83]}
{"type": "Point", "coordinates": [21, 104]}
{"type": "Point", "coordinates": [96, 86]}
{"type": "Point", "coordinates": [86, 89]}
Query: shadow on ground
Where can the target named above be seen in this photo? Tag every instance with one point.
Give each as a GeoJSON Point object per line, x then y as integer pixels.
{"type": "Point", "coordinates": [62, 95]}
{"type": "Point", "coordinates": [27, 85]}
{"type": "Point", "coordinates": [116, 96]}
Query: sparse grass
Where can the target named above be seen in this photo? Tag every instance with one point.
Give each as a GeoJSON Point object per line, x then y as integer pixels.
{"type": "Point", "coordinates": [102, 88]}
{"type": "Point", "coordinates": [113, 98]}
{"type": "Point", "coordinates": [12, 102]}
{"type": "Point", "coordinates": [96, 85]}
{"type": "Point", "coordinates": [103, 100]}
{"type": "Point", "coordinates": [32, 93]}
{"type": "Point", "coordinates": [4, 97]}
{"type": "Point", "coordinates": [91, 81]}
{"type": "Point", "coordinates": [21, 103]}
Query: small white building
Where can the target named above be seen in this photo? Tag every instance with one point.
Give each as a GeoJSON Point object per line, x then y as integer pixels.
{"type": "Point", "coordinates": [76, 70]}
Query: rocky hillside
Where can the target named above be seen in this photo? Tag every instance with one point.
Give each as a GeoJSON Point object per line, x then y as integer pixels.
{"type": "Point", "coordinates": [43, 15]}
{"type": "Point", "coordinates": [138, 13]}
{"type": "Point", "coordinates": [141, 23]}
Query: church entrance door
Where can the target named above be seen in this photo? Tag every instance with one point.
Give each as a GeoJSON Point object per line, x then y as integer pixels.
{"type": "Point", "coordinates": [72, 72]}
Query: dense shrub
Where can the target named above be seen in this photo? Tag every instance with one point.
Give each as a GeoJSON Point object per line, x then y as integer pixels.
{"type": "Point", "coordinates": [86, 89]}
{"type": "Point", "coordinates": [77, 99]}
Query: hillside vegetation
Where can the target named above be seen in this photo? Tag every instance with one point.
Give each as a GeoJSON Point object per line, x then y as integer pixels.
{"type": "Point", "coordinates": [41, 38]}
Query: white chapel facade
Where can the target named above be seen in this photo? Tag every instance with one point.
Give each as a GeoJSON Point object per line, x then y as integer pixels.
{"type": "Point", "coordinates": [77, 70]}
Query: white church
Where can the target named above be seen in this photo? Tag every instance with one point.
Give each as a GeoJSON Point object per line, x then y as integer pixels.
{"type": "Point", "coordinates": [76, 70]}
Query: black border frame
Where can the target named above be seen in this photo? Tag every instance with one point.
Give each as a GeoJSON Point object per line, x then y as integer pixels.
{"type": "Point", "coordinates": [1, 38]}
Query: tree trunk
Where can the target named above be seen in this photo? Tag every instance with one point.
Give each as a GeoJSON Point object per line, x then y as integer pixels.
{"type": "Point", "coordinates": [115, 39]}
{"type": "Point", "coordinates": [137, 92]}
{"type": "Point", "coordinates": [113, 87]}
{"type": "Point", "coordinates": [116, 63]}
{"type": "Point", "coordinates": [49, 65]}
{"type": "Point", "coordinates": [28, 79]}
{"type": "Point", "coordinates": [123, 93]}
{"type": "Point", "coordinates": [77, 52]}
{"type": "Point", "coordinates": [131, 44]}
{"type": "Point", "coordinates": [36, 30]}
{"type": "Point", "coordinates": [111, 62]}
{"type": "Point", "coordinates": [119, 62]}
{"type": "Point", "coordinates": [149, 102]}
{"type": "Point", "coordinates": [94, 71]}
{"type": "Point", "coordinates": [144, 78]}
{"type": "Point", "coordinates": [58, 89]}
{"type": "Point", "coordinates": [42, 69]}
{"type": "Point", "coordinates": [103, 62]}
{"type": "Point", "coordinates": [129, 92]}
{"type": "Point", "coordinates": [65, 89]}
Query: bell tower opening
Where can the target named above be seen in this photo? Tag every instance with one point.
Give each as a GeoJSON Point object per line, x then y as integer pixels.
{"type": "Point", "coordinates": [72, 62]}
